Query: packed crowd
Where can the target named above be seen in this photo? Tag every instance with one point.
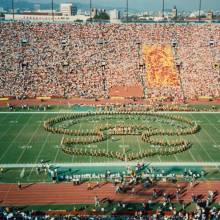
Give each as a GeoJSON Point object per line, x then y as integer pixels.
{"type": "Point", "coordinates": [171, 206]}
{"type": "Point", "coordinates": [200, 213]}
{"type": "Point", "coordinates": [87, 60]}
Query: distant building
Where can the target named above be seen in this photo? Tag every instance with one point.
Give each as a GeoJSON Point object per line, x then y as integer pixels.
{"type": "Point", "coordinates": [67, 9]}
{"type": "Point", "coordinates": [195, 14]}
{"type": "Point", "coordinates": [74, 10]}
{"type": "Point", "coordinates": [174, 12]}
{"type": "Point", "coordinates": [114, 14]}
{"type": "Point", "coordinates": [102, 10]}
{"type": "Point", "coordinates": [80, 12]}
{"type": "Point", "coordinates": [42, 16]}
{"type": "Point", "coordinates": [210, 15]}
{"type": "Point", "coordinates": [45, 11]}
{"type": "Point", "coordinates": [94, 12]}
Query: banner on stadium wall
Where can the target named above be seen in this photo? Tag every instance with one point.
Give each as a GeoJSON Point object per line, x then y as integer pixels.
{"type": "Point", "coordinates": [161, 68]}
{"type": "Point", "coordinates": [4, 99]}
{"type": "Point", "coordinates": [205, 98]}
{"type": "Point", "coordinates": [117, 97]}
{"type": "Point", "coordinates": [216, 66]}
{"type": "Point", "coordinates": [43, 98]}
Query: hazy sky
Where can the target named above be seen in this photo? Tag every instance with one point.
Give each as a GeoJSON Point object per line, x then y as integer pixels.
{"type": "Point", "coordinates": [147, 4]}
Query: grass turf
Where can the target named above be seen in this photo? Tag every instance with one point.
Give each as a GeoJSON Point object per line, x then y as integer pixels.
{"type": "Point", "coordinates": [24, 140]}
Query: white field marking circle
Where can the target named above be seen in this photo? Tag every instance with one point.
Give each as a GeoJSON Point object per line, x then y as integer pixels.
{"type": "Point", "coordinates": [70, 112]}
{"type": "Point", "coordinates": [199, 121]}
{"type": "Point", "coordinates": [124, 146]}
{"type": "Point", "coordinates": [155, 146]}
{"type": "Point", "coordinates": [216, 146]}
{"type": "Point", "coordinates": [95, 121]}
{"type": "Point", "coordinates": [91, 146]}
{"type": "Point", "coordinates": [13, 122]}
{"type": "Point", "coordinates": [57, 146]}
{"type": "Point", "coordinates": [27, 147]}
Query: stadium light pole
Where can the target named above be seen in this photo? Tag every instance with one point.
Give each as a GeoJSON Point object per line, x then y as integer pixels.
{"type": "Point", "coordinates": [127, 10]}
{"type": "Point", "coordinates": [139, 47]}
{"type": "Point", "coordinates": [90, 9]}
{"type": "Point", "coordinates": [52, 10]}
{"type": "Point", "coordinates": [142, 67]}
{"type": "Point", "coordinates": [163, 8]}
{"type": "Point", "coordinates": [179, 66]}
{"type": "Point", "coordinates": [13, 9]}
{"type": "Point", "coordinates": [200, 6]}
{"type": "Point", "coordinates": [103, 64]}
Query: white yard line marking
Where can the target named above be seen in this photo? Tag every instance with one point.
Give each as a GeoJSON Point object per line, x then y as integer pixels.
{"type": "Point", "coordinates": [8, 127]}
{"type": "Point", "coordinates": [18, 134]}
{"type": "Point", "coordinates": [166, 140]}
{"type": "Point", "coordinates": [29, 141]}
{"type": "Point", "coordinates": [209, 136]}
{"type": "Point", "coordinates": [138, 143]}
{"type": "Point", "coordinates": [73, 154]}
{"type": "Point", "coordinates": [192, 155]}
{"type": "Point", "coordinates": [63, 112]}
{"type": "Point", "coordinates": [212, 124]}
{"type": "Point", "coordinates": [39, 153]}
{"type": "Point", "coordinates": [55, 158]}
{"type": "Point", "coordinates": [58, 151]}
{"type": "Point", "coordinates": [194, 135]}
{"type": "Point", "coordinates": [136, 138]}
{"type": "Point", "coordinates": [107, 140]}
{"type": "Point", "coordinates": [4, 118]}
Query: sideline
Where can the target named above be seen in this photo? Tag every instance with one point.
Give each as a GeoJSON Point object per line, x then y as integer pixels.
{"type": "Point", "coordinates": [72, 112]}
{"type": "Point", "coordinates": [113, 164]}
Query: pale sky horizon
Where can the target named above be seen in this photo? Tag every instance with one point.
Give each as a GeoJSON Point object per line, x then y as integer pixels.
{"type": "Point", "coordinates": [145, 4]}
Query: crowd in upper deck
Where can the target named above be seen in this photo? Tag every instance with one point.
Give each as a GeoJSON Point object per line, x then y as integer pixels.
{"type": "Point", "coordinates": [87, 60]}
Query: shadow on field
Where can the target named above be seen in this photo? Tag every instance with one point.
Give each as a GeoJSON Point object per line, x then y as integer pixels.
{"type": "Point", "coordinates": [28, 185]}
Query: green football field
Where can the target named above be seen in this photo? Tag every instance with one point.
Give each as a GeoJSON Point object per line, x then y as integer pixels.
{"type": "Point", "coordinates": [24, 140]}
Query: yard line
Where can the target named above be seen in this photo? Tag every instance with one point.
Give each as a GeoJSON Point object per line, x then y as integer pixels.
{"type": "Point", "coordinates": [73, 154]}
{"type": "Point", "coordinates": [39, 153]}
{"type": "Point", "coordinates": [55, 158]}
{"type": "Point", "coordinates": [113, 164]}
{"type": "Point", "coordinates": [8, 127]}
{"type": "Point", "coordinates": [18, 134]}
{"type": "Point", "coordinates": [136, 137]}
{"type": "Point", "coordinates": [4, 118]}
{"type": "Point", "coordinates": [138, 143]}
{"type": "Point", "coordinates": [166, 140]}
{"type": "Point", "coordinates": [212, 124]}
{"type": "Point", "coordinates": [58, 150]}
{"type": "Point", "coordinates": [209, 136]}
{"type": "Point", "coordinates": [217, 119]}
{"type": "Point", "coordinates": [194, 135]}
{"type": "Point", "coordinates": [107, 141]}
{"type": "Point", "coordinates": [64, 112]}
{"type": "Point", "coordinates": [192, 155]}
{"type": "Point", "coordinates": [29, 141]}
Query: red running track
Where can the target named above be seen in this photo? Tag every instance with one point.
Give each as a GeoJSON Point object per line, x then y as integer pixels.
{"type": "Point", "coordinates": [67, 193]}
{"type": "Point", "coordinates": [82, 101]}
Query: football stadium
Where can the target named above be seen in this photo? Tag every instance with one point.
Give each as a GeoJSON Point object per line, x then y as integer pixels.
{"type": "Point", "coordinates": [109, 114]}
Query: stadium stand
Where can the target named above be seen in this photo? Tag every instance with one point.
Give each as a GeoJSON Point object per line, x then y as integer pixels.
{"type": "Point", "coordinates": [41, 59]}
